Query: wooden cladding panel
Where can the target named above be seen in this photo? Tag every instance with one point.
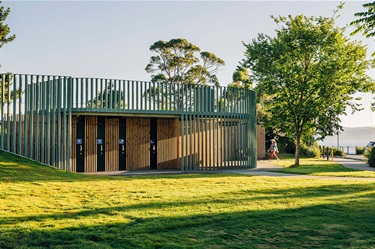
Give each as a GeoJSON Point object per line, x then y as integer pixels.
{"type": "Point", "coordinates": [111, 144]}
{"type": "Point", "coordinates": [91, 124]}
{"type": "Point", "coordinates": [168, 132]}
{"type": "Point", "coordinates": [138, 144]}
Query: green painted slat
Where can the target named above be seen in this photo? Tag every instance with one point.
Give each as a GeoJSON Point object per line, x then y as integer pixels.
{"type": "Point", "coordinates": [14, 114]}
{"type": "Point", "coordinates": [27, 114]}
{"type": "Point", "coordinates": [2, 134]}
{"type": "Point", "coordinates": [64, 93]}
{"type": "Point", "coordinates": [31, 107]}
{"type": "Point", "coordinates": [44, 109]}
{"type": "Point", "coordinates": [58, 113]}
{"type": "Point", "coordinates": [69, 130]}
{"type": "Point", "coordinates": [20, 116]}
{"type": "Point", "coordinates": [48, 126]}
{"type": "Point", "coordinates": [8, 115]}
{"type": "Point", "coordinates": [36, 156]}
{"type": "Point", "coordinates": [53, 113]}
{"type": "Point", "coordinates": [182, 144]}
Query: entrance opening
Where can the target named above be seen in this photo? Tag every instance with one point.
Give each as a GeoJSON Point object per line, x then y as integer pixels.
{"type": "Point", "coordinates": [80, 145]}
{"type": "Point", "coordinates": [153, 144]}
{"type": "Point", "coordinates": [101, 144]}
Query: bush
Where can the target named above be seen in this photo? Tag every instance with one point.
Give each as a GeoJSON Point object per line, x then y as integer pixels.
{"type": "Point", "coordinates": [309, 151]}
{"type": "Point", "coordinates": [359, 150]}
{"type": "Point", "coordinates": [371, 157]}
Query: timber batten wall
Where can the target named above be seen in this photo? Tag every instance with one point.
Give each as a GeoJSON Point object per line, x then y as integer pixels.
{"type": "Point", "coordinates": [196, 128]}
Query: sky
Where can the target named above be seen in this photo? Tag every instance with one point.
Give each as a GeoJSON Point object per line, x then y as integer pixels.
{"type": "Point", "coordinates": [111, 39]}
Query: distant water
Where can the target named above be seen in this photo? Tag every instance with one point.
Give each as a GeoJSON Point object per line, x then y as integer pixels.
{"type": "Point", "coordinates": [358, 136]}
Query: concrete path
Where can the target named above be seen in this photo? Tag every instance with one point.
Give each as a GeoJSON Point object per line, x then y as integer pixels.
{"type": "Point", "coordinates": [264, 168]}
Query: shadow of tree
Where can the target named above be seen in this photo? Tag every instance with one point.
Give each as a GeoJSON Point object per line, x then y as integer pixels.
{"type": "Point", "coordinates": [344, 220]}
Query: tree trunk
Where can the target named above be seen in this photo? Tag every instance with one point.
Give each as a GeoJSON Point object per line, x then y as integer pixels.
{"type": "Point", "coordinates": [298, 142]}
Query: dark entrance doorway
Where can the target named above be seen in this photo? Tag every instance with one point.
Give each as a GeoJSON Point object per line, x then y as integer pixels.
{"type": "Point", "coordinates": [80, 145]}
{"type": "Point", "coordinates": [101, 144]}
{"type": "Point", "coordinates": [153, 144]}
{"type": "Point", "coordinates": [122, 144]}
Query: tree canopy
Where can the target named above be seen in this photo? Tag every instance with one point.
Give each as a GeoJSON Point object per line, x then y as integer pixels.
{"type": "Point", "coordinates": [366, 20]}
{"type": "Point", "coordinates": [4, 28]}
{"type": "Point", "coordinates": [306, 76]}
{"type": "Point", "coordinates": [177, 62]}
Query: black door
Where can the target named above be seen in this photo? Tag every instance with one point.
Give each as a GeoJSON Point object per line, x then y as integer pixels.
{"type": "Point", "coordinates": [80, 145]}
{"type": "Point", "coordinates": [122, 144]}
{"type": "Point", "coordinates": [153, 144]}
{"type": "Point", "coordinates": [101, 144]}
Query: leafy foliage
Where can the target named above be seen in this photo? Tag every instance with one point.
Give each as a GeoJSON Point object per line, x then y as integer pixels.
{"type": "Point", "coordinates": [4, 28]}
{"type": "Point", "coordinates": [177, 64]}
{"type": "Point", "coordinates": [366, 20]}
{"type": "Point", "coordinates": [371, 157]}
{"type": "Point", "coordinates": [306, 76]}
{"type": "Point", "coordinates": [109, 98]}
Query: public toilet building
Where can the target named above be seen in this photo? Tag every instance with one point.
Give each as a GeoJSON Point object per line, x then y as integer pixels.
{"type": "Point", "coordinates": [90, 124]}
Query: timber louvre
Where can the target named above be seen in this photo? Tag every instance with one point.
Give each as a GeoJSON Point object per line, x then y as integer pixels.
{"type": "Point", "coordinates": [197, 128]}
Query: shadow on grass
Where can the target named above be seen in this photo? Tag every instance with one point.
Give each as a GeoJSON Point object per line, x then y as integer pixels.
{"type": "Point", "coordinates": [322, 226]}
{"type": "Point", "coordinates": [14, 168]}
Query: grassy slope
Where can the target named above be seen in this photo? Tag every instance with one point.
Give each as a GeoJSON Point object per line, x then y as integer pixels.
{"type": "Point", "coordinates": [42, 207]}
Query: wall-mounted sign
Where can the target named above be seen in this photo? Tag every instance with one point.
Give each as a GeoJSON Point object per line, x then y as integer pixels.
{"type": "Point", "coordinates": [121, 141]}
{"type": "Point", "coordinates": [79, 141]}
{"type": "Point", "coordinates": [100, 141]}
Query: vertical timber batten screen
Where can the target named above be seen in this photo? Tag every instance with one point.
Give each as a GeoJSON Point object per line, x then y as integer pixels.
{"type": "Point", "coordinates": [35, 117]}
{"type": "Point", "coordinates": [217, 124]}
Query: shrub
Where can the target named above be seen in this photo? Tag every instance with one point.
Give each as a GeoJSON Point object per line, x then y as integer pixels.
{"type": "Point", "coordinates": [309, 151]}
{"type": "Point", "coordinates": [371, 157]}
{"type": "Point", "coordinates": [338, 152]}
{"type": "Point", "coordinates": [359, 150]}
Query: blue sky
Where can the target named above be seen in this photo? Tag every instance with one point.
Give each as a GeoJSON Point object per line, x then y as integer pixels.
{"type": "Point", "coordinates": [111, 39]}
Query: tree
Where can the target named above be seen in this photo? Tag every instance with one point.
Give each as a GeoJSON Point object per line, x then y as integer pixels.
{"type": "Point", "coordinates": [177, 63]}
{"type": "Point", "coordinates": [4, 28]}
{"type": "Point", "coordinates": [306, 76]}
{"type": "Point", "coordinates": [108, 98]}
{"type": "Point", "coordinates": [366, 21]}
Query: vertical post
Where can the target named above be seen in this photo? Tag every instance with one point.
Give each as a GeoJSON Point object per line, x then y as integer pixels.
{"type": "Point", "coordinates": [43, 112]}
{"type": "Point", "coordinates": [182, 144]}
{"type": "Point", "coordinates": [25, 127]}
{"type": "Point", "coordinates": [252, 130]}
{"type": "Point", "coordinates": [37, 87]}
{"type": "Point", "coordinates": [54, 113]}
{"type": "Point", "coordinates": [69, 125]}
{"type": "Point", "coordinates": [64, 106]}
{"type": "Point", "coordinates": [31, 126]}
{"type": "Point", "coordinates": [2, 110]}
{"type": "Point", "coordinates": [20, 112]}
{"type": "Point", "coordinates": [60, 94]}
{"type": "Point", "coordinates": [14, 113]}
{"type": "Point", "coordinates": [48, 126]}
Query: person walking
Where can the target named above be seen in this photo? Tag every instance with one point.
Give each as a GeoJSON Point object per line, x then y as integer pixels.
{"type": "Point", "coordinates": [273, 149]}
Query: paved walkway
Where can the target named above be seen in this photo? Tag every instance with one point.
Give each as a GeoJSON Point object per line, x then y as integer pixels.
{"type": "Point", "coordinates": [264, 168]}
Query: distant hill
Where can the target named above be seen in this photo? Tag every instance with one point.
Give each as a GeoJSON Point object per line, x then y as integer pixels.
{"type": "Point", "coordinates": [358, 136]}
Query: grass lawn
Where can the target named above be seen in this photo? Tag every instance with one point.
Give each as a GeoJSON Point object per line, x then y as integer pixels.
{"type": "Point", "coordinates": [41, 207]}
{"type": "Point", "coordinates": [318, 167]}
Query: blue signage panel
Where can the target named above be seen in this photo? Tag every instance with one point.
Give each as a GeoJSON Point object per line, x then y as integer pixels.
{"type": "Point", "coordinates": [121, 141]}
{"type": "Point", "coordinates": [79, 141]}
{"type": "Point", "coordinates": [100, 141]}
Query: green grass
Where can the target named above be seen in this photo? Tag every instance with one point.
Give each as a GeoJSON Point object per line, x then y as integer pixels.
{"type": "Point", "coordinates": [319, 167]}
{"type": "Point", "coordinates": [42, 207]}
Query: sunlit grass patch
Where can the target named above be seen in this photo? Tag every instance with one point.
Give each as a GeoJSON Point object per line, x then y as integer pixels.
{"type": "Point", "coordinates": [320, 167]}
{"type": "Point", "coordinates": [58, 209]}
